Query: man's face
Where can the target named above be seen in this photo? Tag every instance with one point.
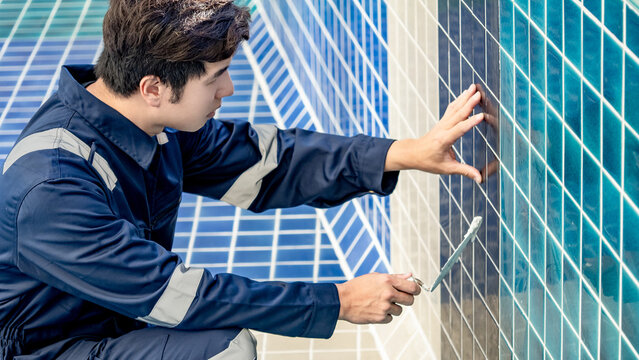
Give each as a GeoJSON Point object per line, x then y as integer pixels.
{"type": "Point", "coordinates": [200, 98]}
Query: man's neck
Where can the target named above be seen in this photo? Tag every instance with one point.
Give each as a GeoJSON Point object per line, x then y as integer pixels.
{"type": "Point", "coordinates": [131, 107]}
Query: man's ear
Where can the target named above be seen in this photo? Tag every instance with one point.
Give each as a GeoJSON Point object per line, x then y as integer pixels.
{"type": "Point", "coordinates": [152, 90]}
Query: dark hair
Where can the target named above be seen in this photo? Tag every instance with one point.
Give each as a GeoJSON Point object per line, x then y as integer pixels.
{"type": "Point", "coordinates": [170, 39]}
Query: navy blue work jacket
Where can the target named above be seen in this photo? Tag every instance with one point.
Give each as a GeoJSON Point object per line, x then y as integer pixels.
{"type": "Point", "coordinates": [89, 206]}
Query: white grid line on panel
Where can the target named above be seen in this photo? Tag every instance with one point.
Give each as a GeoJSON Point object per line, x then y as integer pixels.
{"type": "Point", "coordinates": [17, 23]}
{"type": "Point", "coordinates": [234, 235]}
{"type": "Point", "coordinates": [27, 66]}
{"type": "Point", "coordinates": [276, 232]}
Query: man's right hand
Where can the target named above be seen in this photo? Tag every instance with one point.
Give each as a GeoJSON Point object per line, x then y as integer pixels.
{"type": "Point", "coordinates": [374, 298]}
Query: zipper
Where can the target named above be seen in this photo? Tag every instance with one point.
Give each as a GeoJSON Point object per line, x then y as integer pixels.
{"type": "Point", "coordinates": [164, 212]}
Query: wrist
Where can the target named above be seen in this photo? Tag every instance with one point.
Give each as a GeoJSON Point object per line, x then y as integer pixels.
{"type": "Point", "coordinates": [399, 155]}
{"type": "Point", "coordinates": [341, 296]}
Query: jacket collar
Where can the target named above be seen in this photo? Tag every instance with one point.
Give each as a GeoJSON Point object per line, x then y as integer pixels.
{"type": "Point", "coordinates": [118, 129]}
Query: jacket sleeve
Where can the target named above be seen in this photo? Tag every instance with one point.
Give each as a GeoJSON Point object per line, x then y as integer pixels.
{"type": "Point", "coordinates": [260, 167]}
{"type": "Point", "coordinates": [69, 238]}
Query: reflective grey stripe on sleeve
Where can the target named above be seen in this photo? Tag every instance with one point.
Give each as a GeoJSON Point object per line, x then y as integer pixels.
{"type": "Point", "coordinates": [176, 299]}
{"type": "Point", "coordinates": [60, 138]}
{"type": "Point", "coordinates": [242, 347]}
{"type": "Point", "coordinates": [245, 189]}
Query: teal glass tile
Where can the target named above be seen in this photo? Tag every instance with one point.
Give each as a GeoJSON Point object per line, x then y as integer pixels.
{"type": "Point", "coordinates": [589, 322]}
{"type": "Point", "coordinates": [537, 59]}
{"type": "Point", "coordinates": [521, 41]}
{"type": "Point", "coordinates": [570, 343]}
{"type": "Point", "coordinates": [554, 27]}
{"type": "Point", "coordinates": [522, 97]}
{"type": "Point", "coordinates": [553, 329]}
{"type": "Point", "coordinates": [554, 213]}
{"type": "Point", "coordinates": [506, 21]}
{"type": "Point", "coordinates": [538, 122]}
{"type": "Point", "coordinates": [507, 91]}
{"type": "Point", "coordinates": [572, 100]}
{"type": "Point", "coordinates": [610, 273]}
{"type": "Point", "coordinates": [571, 290]}
{"type": "Point", "coordinates": [520, 334]}
{"type": "Point", "coordinates": [572, 165]}
{"type": "Point", "coordinates": [594, 6]}
{"type": "Point", "coordinates": [508, 201]}
{"type": "Point", "coordinates": [521, 161]}
{"type": "Point", "coordinates": [554, 78]}
{"type": "Point", "coordinates": [613, 17]}
{"type": "Point", "coordinates": [535, 347]}
{"type": "Point", "coordinates": [554, 143]}
{"type": "Point", "coordinates": [611, 159]}
{"type": "Point", "coordinates": [507, 258]}
{"type": "Point", "coordinates": [572, 230]}
{"type": "Point", "coordinates": [537, 245]}
{"type": "Point", "coordinates": [536, 305]}
{"type": "Point", "coordinates": [628, 351]}
{"type": "Point", "coordinates": [591, 248]}
{"type": "Point", "coordinates": [554, 274]}
{"type": "Point", "coordinates": [538, 13]}
{"type": "Point", "coordinates": [572, 32]}
{"type": "Point", "coordinates": [592, 53]}
{"type": "Point", "coordinates": [591, 127]}
{"type": "Point", "coordinates": [506, 313]}
{"type": "Point", "coordinates": [591, 188]}
{"type": "Point", "coordinates": [612, 76]}
{"type": "Point", "coordinates": [632, 89]}
{"type": "Point", "coordinates": [608, 338]}
{"type": "Point", "coordinates": [631, 166]}
{"type": "Point", "coordinates": [611, 213]}
{"type": "Point", "coordinates": [630, 243]}
{"type": "Point", "coordinates": [537, 182]}
{"type": "Point", "coordinates": [630, 309]}
{"type": "Point", "coordinates": [632, 30]}
{"type": "Point", "coordinates": [505, 351]}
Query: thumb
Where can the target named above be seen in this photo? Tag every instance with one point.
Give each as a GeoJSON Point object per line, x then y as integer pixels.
{"type": "Point", "coordinates": [468, 171]}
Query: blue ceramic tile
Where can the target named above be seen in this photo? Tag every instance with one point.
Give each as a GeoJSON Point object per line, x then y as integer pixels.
{"type": "Point", "coordinates": [538, 123]}
{"type": "Point", "coordinates": [630, 310]}
{"type": "Point", "coordinates": [632, 89]}
{"type": "Point", "coordinates": [572, 230]}
{"type": "Point", "coordinates": [610, 273]}
{"type": "Point", "coordinates": [554, 19]}
{"type": "Point", "coordinates": [570, 342]}
{"type": "Point", "coordinates": [631, 166]}
{"type": "Point", "coordinates": [591, 188]}
{"type": "Point", "coordinates": [608, 337]}
{"type": "Point", "coordinates": [554, 143]}
{"type": "Point", "coordinates": [572, 99]}
{"type": "Point", "coordinates": [537, 183]}
{"type": "Point", "coordinates": [554, 206]}
{"type": "Point", "coordinates": [507, 258]}
{"type": "Point", "coordinates": [572, 32]}
{"type": "Point", "coordinates": [592, 52]}
{"type": "Point", "coordinates": [538, 13]}
{"type": "Point", "coordinates": [591, 121]}
{"type": "Point", "coordinates": [572, 165]}
{"type": "Point", "coordinates": [466, 32]}
{"type": "Point", "coordinates": [613, 17]}
{"type": "Point", "coordinates": [630, 243]}
{"type": "Point", "coordinates": [453, 21]}
{"type": "Point", "coordinates": [610, 213]}
{"type": "Point", "coordinates": [442, 15]}
{"type": "Point", "coordinates": [553, 329]}
{"type": "Point", "coordinates": [594, 6]}
{"type": "Point", "coordinates": [521, 41]}
{"type": "Point", "coordinates": [508, 201]}
{"type": "Point", "coordinates": [571, 290]}
{"type": "Point", "coordinates": [507, 147]}
{"type": "Point", "coordinates": [612, 68]}
{"type": "Point", "coordinates": [632, 30]}
{"type": "Point", "coordinates": [522, 98]}
{"type": "Point", "coordinates": [537, 60]}
{"type": "Point", "coordinates": [591, 249]}
{"type": "Point", "coordinates": [537, 245]}
{"type": "Point", "coordinates": [589, 321]}
{"type": "Point", "coordinates": [554, 78]}
{"type": "Point", "coordinates": [506, 23]}
{"type": "Point", "coordinates": [613, 129]}
{"type": "Point", "coordinates": [507, 91]}
{"type": "Point", "coordinates": [522, 162]}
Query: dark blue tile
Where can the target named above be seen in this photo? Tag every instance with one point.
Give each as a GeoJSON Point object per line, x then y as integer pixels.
{"type": "Point", "coordinates": [554, 143]}
{"type": "Point", "coordinates": [492, 18]}
{"type": "Point", "coordinates": [479, 48]}
{"type": "Point", "coordinates": [589, 322]}
{"type": "Point", "coordinates": [492, 234]}
{"type": "Point", "coordinates": [611, 213]}
{"type": "Point", "coordinates": [572, 230]}
{"type": "Point", "coordinates": [612, 76]}
{"type": "Point", "coordinates": [554, 24]}
{"type": "Point", "coordinates": [572, 100]}
{"type": "Point", "coordinates": [572, 33]}
{"type": "Point", "coordinates": [506, 22]}
{"type": "Point", "coordinates": [522, 99]}
{"type": "Point", "coordinates": [590, 247]}
{"type": "Point", "coordinates": [591, 127]}
{"type": "Point", "coordinates": [592, 188]}
{"type": "Point", "coordinates": [443, 44]}
{"type": "Point", "coordinates": [455, 71]}
{"type": "Point", "coordinates": [479, 9]}
{"type": "Point", "coordinates": [538, 123]}
{"type": "Point", "coordinates": [453, 21]}
{"type": "Point", "coordinates": [521, 41]}
{"type": "Point", "coordinates": [613, 17]}
{"type": "Point", "coordinates": [630, 243]}
{"type": "Point", "coordinates": [537, 183]}
{"type": "Point", "coordinates": [572, 166]}
{"type": "Point", "coordinates": [492, 64]}
{"type": "Point", "coordinates": [553, 206]}
{"type": "Point", "coordinates": [631, 166]}
{"type": "Point", "coordinates": [523, 5]}
{"type": "Point", "coordinates": [467, 75]}
{"type": "Point", "coordinates": [611, 159]}
{"type": "Point", "coordinates": [538, 60]}
{"type": "Point", "coordinates": [632, 89]}
{"type": "Point", "coordinates": [592, 54]}
{"type": "Point", "coordinates": [554, 78]}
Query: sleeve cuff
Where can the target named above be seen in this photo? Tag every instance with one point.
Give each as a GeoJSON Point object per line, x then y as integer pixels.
{"type": "Point", "coordinates": [325, 312]}
{"type": "Point", "coordinates": [371, 161]}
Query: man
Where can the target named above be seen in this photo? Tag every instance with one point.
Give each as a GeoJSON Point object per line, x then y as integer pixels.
{"type": "Point", "coordinates": [91, 189]}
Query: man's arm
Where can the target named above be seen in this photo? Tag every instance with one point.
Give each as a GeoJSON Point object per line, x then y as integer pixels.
{"type": "Point", "coordinates": [69, 238]}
